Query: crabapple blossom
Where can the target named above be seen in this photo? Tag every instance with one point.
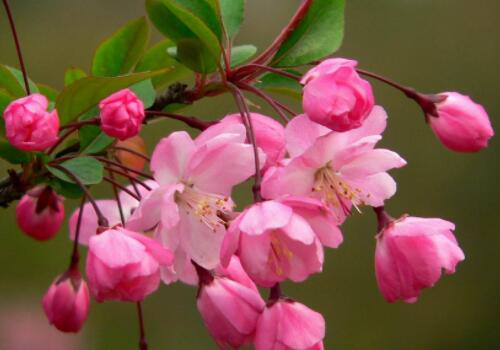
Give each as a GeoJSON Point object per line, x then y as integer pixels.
{"type": "Point", "coordinates": [336, 96]}
{"type": "Point", "coordinates": [29, 126]}
{"type": "Point", "coordinates": [110, 209]}
{"type": "Point", "coordinates": [288, 325]}
{"type": "Point", "coordinates": [122, 114]}
{"type": "Point", "coordinates": [343, 169]}
{"type": "Point", "coordinates": [269, 135]}
{"type": "Point", "coordinates": [410, 254]}
{"type": "Point", "coordinates": [192, 203]}
{"type": "Point", "coordinates": [40, 213]}
{"type": "Point", "coordinates": [275, 242]}
{"type": "Point", "coordinates": [124, 265]}
{"type": "Point", "coordinates": [230, 307]}
{"type": "Point", "coordinates": [461, 124]}
{"type": "Point", "coordinates": [66, 303]}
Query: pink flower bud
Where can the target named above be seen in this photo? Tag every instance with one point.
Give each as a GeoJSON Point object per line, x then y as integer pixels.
{"type": "Point", "coordinates": [40, 213]}
{"type": "Point", "coordinates": [410, 254]}
{"type": "Point", "coordinates": [289, 325]}
{"type": "Point", "coordinates": [124, 265]}
{"type": "Point", "coordinates": [66, 303]}
{"type": "Point", "coordinates": [461, 124]}
{"type": "Point", "coordinates": [336, 96]}
{"type": "Point", "coordinates": [230, 307]}
{"type": "Point", "coordinates": [122, 114]}
{"type": "Point", "coordinates": [28, 124]}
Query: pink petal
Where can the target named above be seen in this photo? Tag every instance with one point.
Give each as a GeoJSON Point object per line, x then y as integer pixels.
{"type": "Point", "coordinates": [372, 162]}
{"type": "Point", "coordinates": [265, 216]}
{"type": "Point", "coordinates": [301, 133]}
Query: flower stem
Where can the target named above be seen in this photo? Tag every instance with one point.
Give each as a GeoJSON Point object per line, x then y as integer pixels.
{"type": "Point", "coordinates": [246, 117]}
{"type": "Point", "coordinates": [190, 121]}
{"type": "Point", "coordinates": [274, 104]}
{"type": "Point", "coordinates": [119, 165]}
{"type": "Point", "coordinates": [143, 345]}
{"type": "Point", "coordinates": [131, 151]}
{"type": "Point", "coordinates": [383, 218]}
{"type": "Point", "coordinates": [75, 255]}
{"type": "Point", "coordinates": [113, 182]}
{"type": "Point", "coordinates": [18, 45]}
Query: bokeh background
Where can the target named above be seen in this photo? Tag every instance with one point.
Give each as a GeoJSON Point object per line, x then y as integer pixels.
{"type": "Point", "coordinates": [432, 45]}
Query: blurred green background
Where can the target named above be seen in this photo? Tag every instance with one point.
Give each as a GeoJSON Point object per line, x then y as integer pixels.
{"type": "Point", "coordinates": [432, 45]}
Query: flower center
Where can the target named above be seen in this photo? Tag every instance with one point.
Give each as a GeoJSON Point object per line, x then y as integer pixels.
{"type": "Point", "coordinates": [335, 191]}
{"type": "Point", "coordinates": [278, 255]}
{"type": "Point", "coordinates": [211, 209]}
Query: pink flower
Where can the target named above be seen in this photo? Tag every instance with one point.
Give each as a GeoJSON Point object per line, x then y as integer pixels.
{"type": "Point", "coordinates": [124, 265]}
{"type": "Point", "coordinates": [192, 204]}
{"type": "Point", "coordinates": [269, 135]}
{"type": "Point", "coordinates": [66, 303]}
{"type": "Point", "coordinates": [230, 308]}
{"type": "Point", "coordinates": [28, 124]}
{"type": "Point", "coordinates": [410, 254]}
{"type": "Point", "coordinates": [122, 114]}
{"type": "Point", "coordinates": [336, 96]}
{"type": "Point", "coordinates": [110, 209]}
{"type": "Point", "coordinates": [40, 213]}
{"type": "Point", "coordinates": [341, 168]}
{"type": "Point", "coordinates": [289, 325]}
{"type": "Point", "coordinates": [281, 240]}
{"type": "Point", "coordinates": [461, 124]}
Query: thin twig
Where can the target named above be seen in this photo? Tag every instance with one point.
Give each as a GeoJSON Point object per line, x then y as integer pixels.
{"type": "Point", "coordinates": [121, 187]}
{"type": "Point", "coordinates": [143, 345]}
{"type": "Point", "coordinates": [128, 176]}
{"type": "Point", "coordinates": [131, 151]}
{"type": "Point", "coordinates": [190, 121]}
{"type": "Point", "coordinates": [266, 98]}
{"type": "Point", "coordinates": [108, 161]}
{"type": "Point", "coordinates": [18, 46]}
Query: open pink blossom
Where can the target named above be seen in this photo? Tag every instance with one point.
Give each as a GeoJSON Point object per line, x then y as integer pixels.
{"type": "Point", "coordinates": [28, 124]}
{"type": "Point", "coordinates": [40, 213]}
{"type": "Point", "coordinates": [289, 325]}
{"type": "Point", "coordinates": [124, 265]}
{"type": "Point", "coordinates": [110, 210]}
{"type": "Point", "coordinates": [269, 135]}
{"type": "Point", "coordinates": [66, 303]}
{"type": "Point", "coordinates": [230, 306]}
{"type": "Point", "coordinates": [343, 169]}
{"type": "Point", "coordinates": [410, 254]}
{"type": "Point", "coordinates": [461, 124]}
{"type": "Point", "coordinates": [193, 201]}
{"type": "Point", "coordinates": [336, 96]}
{"type": "Point", "coordinates": [275, 242]}
{"type": "Point", "coordinates": [122, 114]}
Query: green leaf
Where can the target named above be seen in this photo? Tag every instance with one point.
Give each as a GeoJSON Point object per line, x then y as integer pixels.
{"type": "Point", "coordinates": [192, 54]}
{"type": "Point", "coordinates": [318, 35]}
{"type": "Point", "coordinates": [5, 99]}
{"type": "Point", "coordinates": [73, 74]}
{"type": "Point", "coordinates": [93, 140]}
{"type": "Point", "coordinates": [189, 21]}
{"type": "Point", "coordinates": [48, 92]}
{"type": "Point", "coordinates": [120, 53]}
{"type": "Point", "coordinates": [9, 82]}
{"type": "Point", "coordinates": [20, 79]}
{"type": "Point", "coordinates": [232, 13]}
{"type": "Point", "coordinates": [241, 54]}
{"type": "Point", "coordinates": [145, 91]}
{"type": "Point", "coordinates": [279, 84]}
{"type": "Point", "coordinates": [157, 57]}
{"type": "Point", "coordinates": [79, 97]}
{"type": "Point", "coordinates": [88, 170]}
{"type": "Point", "coordinates": [13, 155]}
{"type": "Point", "coordinates": [66, 189]}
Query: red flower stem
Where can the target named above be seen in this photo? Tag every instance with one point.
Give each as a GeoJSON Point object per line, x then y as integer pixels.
{"type": "Point", "coordinates": [131, 151]}
{"type": "Point", "coordinates": [143, 345]}
{"type": "Point", "coordinates": [133, 182]}
{"type": "Point", "coordinates": [77, 125]}
{"type": "Point", "coordinates": [117, 197]}
{"type": "Point", "coordinates": [266, 98]}
{"type": "Point", "coordinates": [190, 121]}
{"type": "Point", "coordinates": [128, 176]}
{"type": "Point", "coordinates": [239, 98]}
{"type": "Point", "coordinates": [61, 139]}
{"type": "Point", "coordinates": [264, 57]}
{"type": "Point", "coordinates": [18, 46]}
{"type": "Point", "coordinates": [275, 294]}
{"type": "Point", "coordinates": [101, 219]}
{"type": "Point", "coordinates": [383, 218]}
{"type": "Point", "coordinates": [252, 67]}
{"type": "Point", "coordinates": [110, 162]}
{"type": "Point", "coordinates": [123, 188]}
{"type": "Point", "coordinates": [75, 255]}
